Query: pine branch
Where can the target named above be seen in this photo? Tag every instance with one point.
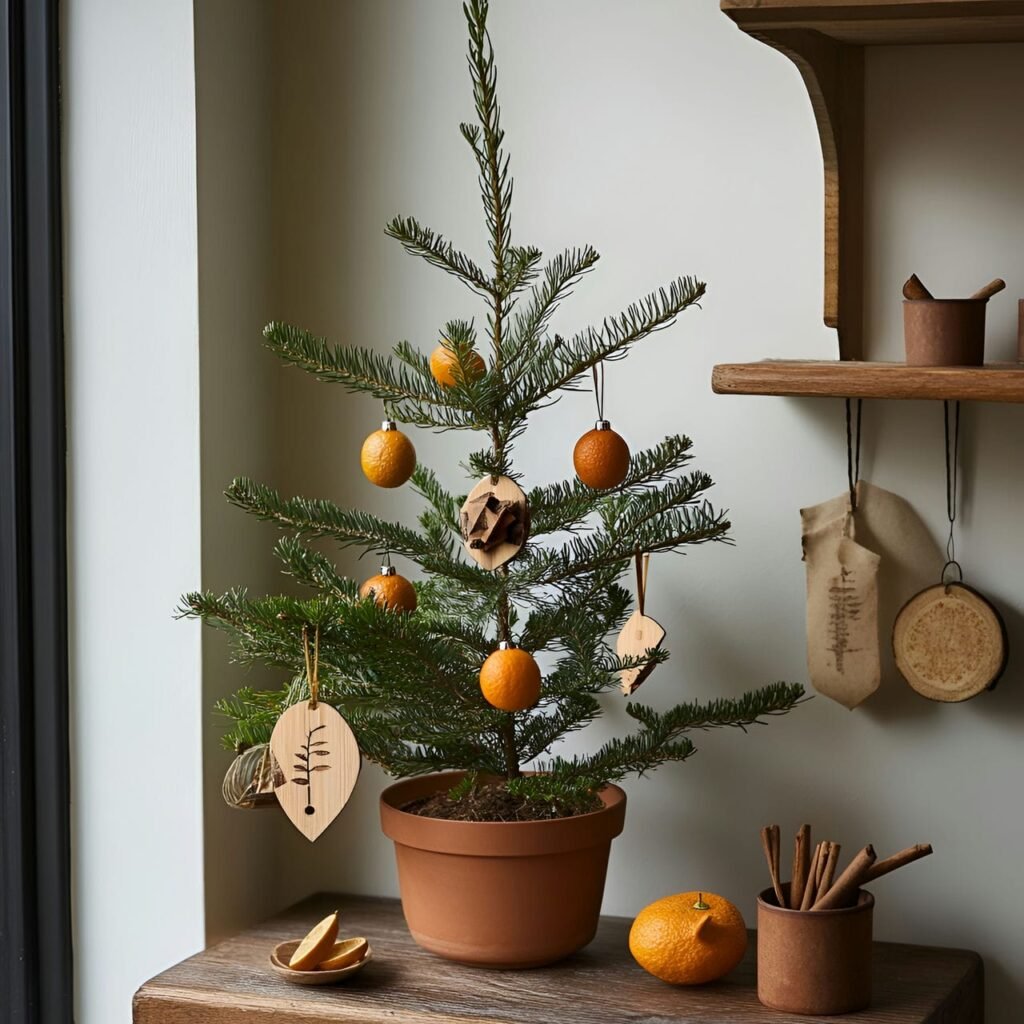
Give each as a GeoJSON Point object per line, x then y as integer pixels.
{"type": "Point", "coordinates": [313, 569]}
{"type": "Point", "coordinates": [420, 241]}
{"type": "Point", "coordinates": [559, 365]}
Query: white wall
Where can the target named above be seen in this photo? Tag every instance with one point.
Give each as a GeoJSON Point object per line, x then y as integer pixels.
{"type": "Point", "coordinates": [675, 144]}
{"type": "Point", "coordinates": [133, 465]}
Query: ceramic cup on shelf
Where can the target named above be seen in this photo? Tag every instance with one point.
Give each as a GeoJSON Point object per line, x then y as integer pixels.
{"type": "Point", "coordinates": [814, 962]}
{"type": "Point", "coordinates": [944, 332]}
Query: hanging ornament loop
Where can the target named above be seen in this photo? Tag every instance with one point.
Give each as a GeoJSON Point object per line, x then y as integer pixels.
{"type": "Point", "coordinates": [312, 665]}
{"type": "Point", "coordinates": [643, 562]}
{"type": "Point", "coordinates": [952, 454]}
{"type": "Point", "coordinates": [598, 371]}
{"type": "Point", "coordinates": [853, 450]}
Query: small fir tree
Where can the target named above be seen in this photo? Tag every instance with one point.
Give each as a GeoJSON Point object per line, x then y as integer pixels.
{"type": "Point", "coordinates": [408, 684]}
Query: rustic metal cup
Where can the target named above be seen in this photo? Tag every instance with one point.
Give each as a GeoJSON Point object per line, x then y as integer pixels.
{"type": "Point", "coordinates": [944, 332]}
{"type": "Point", "coordinates": [814, 961]}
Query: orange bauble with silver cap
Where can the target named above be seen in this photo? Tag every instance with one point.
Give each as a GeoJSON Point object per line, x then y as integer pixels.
{"type": "Point", "coordinates": [388, 457]}
{"type": "Point", "coordinates": [390, 590]}
{"type": "Point", "coordinates": [510, 678]}
{"type": "Point", "coordinates": [601, 456]}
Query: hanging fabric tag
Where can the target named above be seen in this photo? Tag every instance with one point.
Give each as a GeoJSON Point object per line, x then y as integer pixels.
{"type": "Point", "coordinates": [842, 604]}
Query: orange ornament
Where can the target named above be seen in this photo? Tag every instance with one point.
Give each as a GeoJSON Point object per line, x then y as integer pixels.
{"type": "Point", "coordinates": [510, 679]}
{"type": "Point", "coordinates": [390, 590]}
{"type": "Point", "coordinates": [601, 457]}
{"type": "Point", "coordinates": [444, 366]}
{"type": "Point", "coordinates": [388, 457]}
{"type": "Point", "coordinates": [688, 939]}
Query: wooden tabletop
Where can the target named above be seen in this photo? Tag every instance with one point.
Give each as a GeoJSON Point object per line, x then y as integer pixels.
{"type": "Point", "coordinates": [232, 983]}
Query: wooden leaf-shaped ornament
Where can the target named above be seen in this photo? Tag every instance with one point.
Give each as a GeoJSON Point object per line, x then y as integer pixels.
{"type": "Point", "coordinates": [320, 749]}
{"type": "Point", "coordinates": [495, 521]}
{"type": "Point", "coordinates": [639, 635]}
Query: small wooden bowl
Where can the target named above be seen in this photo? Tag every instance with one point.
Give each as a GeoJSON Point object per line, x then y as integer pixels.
{"type": "Point", "coordinates": [283, 953]}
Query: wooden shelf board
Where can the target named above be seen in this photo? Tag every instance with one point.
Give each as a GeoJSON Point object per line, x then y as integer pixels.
{"type": "Point", "coordinates": [994, 382]}
{"type": "Point", "coordinates": [880, 22]}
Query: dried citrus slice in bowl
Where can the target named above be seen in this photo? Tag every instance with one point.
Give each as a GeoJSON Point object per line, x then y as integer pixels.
{"type": "Point", "coordinates": [316, 946]}
{"type": "Point", "coordinates": [344, 954]}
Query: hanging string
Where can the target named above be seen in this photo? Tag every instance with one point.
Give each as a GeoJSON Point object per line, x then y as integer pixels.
{"type": "Point", "coordinates": [643, 563]}
{"type": "Point", "coordinates": [853, 450]}
{"type": "Point", "coordinates": [386, 557]}
{"type": "Point", "coordinates": [952, 463]}
{"type": "Point", "coordinates": [312, 667]}
{"type": "Point", "coordinates": [598, 371]}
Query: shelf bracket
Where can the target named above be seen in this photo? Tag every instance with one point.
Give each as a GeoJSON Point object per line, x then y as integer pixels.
{"type": "Point", "coordinates": [833, 73]}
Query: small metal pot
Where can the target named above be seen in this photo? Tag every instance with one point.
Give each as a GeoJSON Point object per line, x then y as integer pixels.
{"type": "Point", "coordinates": [944, 332]}
{"type": "Point", "coordinates": [814, 961]}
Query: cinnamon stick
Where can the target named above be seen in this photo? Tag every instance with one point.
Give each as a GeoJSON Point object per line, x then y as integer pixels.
{"type": "Point", "coordinates": [770, 842]}
{"type": "Point", "coordinates": [842, 893]}
{"type": "Point", "coordinates": [897, 860]}
{"type": "Point", "coordinates": [830, 868]}
{"type": "Point", "coordinates": [801, 865]}
{"type": "Point", "coordinates": [811, 888]}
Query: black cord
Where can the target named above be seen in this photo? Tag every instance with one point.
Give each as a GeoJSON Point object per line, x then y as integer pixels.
{"type": "Point", "coordinates": [952, 464]}
{"type": "Point", "coordinates": [853, 450]}
{"type": "Point", "coordinates": [598, 371]}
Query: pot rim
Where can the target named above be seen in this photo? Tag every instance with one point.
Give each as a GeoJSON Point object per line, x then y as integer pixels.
{"type": "Point", "coordinates": [860, 906]}
{"type": "Point", "coordinates": [495, 838]}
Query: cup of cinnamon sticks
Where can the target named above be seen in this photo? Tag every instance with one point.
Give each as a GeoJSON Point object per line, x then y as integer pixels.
{"type": "Point", "coordinates": [814, 932]}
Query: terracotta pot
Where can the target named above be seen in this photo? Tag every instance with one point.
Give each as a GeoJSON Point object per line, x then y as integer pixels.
{"type": "Point", "coordinates": [944, 332]}
{"type": "Point", "coordinates": [500, 894]}
{"type": "Point", "coordinates": [814, 961]}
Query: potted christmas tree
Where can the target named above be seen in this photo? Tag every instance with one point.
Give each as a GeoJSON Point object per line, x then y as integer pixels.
{"type": "Point", "coordinates": [439, 679]}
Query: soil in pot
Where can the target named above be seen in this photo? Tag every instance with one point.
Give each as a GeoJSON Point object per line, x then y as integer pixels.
{"type": "Point", "coordinates": [495, 803]}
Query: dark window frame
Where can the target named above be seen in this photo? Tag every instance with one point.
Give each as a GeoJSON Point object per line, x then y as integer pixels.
{"type": "Point", "coordinates": [35, 847]}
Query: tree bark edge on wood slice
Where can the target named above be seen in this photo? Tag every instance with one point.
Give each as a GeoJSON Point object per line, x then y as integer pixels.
{"type": "Point", "coordinates": [973, 650]}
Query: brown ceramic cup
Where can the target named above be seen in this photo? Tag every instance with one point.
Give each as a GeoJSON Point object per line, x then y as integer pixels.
{"type": "Point", "coordinates": [944, 332]}
{"type": "Point", "coordinates": [814, 961]}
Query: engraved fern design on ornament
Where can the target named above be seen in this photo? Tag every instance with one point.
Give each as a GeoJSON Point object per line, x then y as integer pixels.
{"type": "Point", "coordinates": [844, 608]}
{"type": "Point", "coordinates": [310, 750]}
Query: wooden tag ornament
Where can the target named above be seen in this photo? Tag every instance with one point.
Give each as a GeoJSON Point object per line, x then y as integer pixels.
{"type": "Point", "coordinates": [640, 633]}
{"type": "Point", "coordinates": [319, 758]}
{"type": "Point", "coordinates": [949, 643]}
{"type": "Point", "coordinates": [495, 521]}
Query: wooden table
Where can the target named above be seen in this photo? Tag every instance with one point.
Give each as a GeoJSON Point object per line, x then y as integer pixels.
{"type": "Point", "coordinates": [232, 983]}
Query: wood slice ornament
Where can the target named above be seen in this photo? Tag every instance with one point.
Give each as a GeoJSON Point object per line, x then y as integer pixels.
{"type": "Point", "coordinates": [639, 635]}
{"type": "Point", "coordinates": [949, 643]}
{"type": "Point", "coordinates": [495, 521]}
{"type": "Point", "coordinates": [319, 756]}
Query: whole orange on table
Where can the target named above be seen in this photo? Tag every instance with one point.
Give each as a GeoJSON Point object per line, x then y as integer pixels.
{"type": "Point", "coordinates": [688, 939]}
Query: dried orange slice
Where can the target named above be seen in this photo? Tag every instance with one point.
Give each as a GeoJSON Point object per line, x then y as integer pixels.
{"type": "Point", "coordinates": [316, 945]}
{"type": "Point", "coordinates": [344, 954]}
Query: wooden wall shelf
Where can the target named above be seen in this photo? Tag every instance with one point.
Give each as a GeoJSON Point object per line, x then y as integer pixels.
{"type": "Point", "coordinates": [826, 41]}
{"type": "Point", "coordinates": [996, 382]}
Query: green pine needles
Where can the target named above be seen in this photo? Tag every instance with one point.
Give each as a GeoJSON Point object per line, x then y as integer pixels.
{"type": "Point", "coordinates": [408, 683]}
